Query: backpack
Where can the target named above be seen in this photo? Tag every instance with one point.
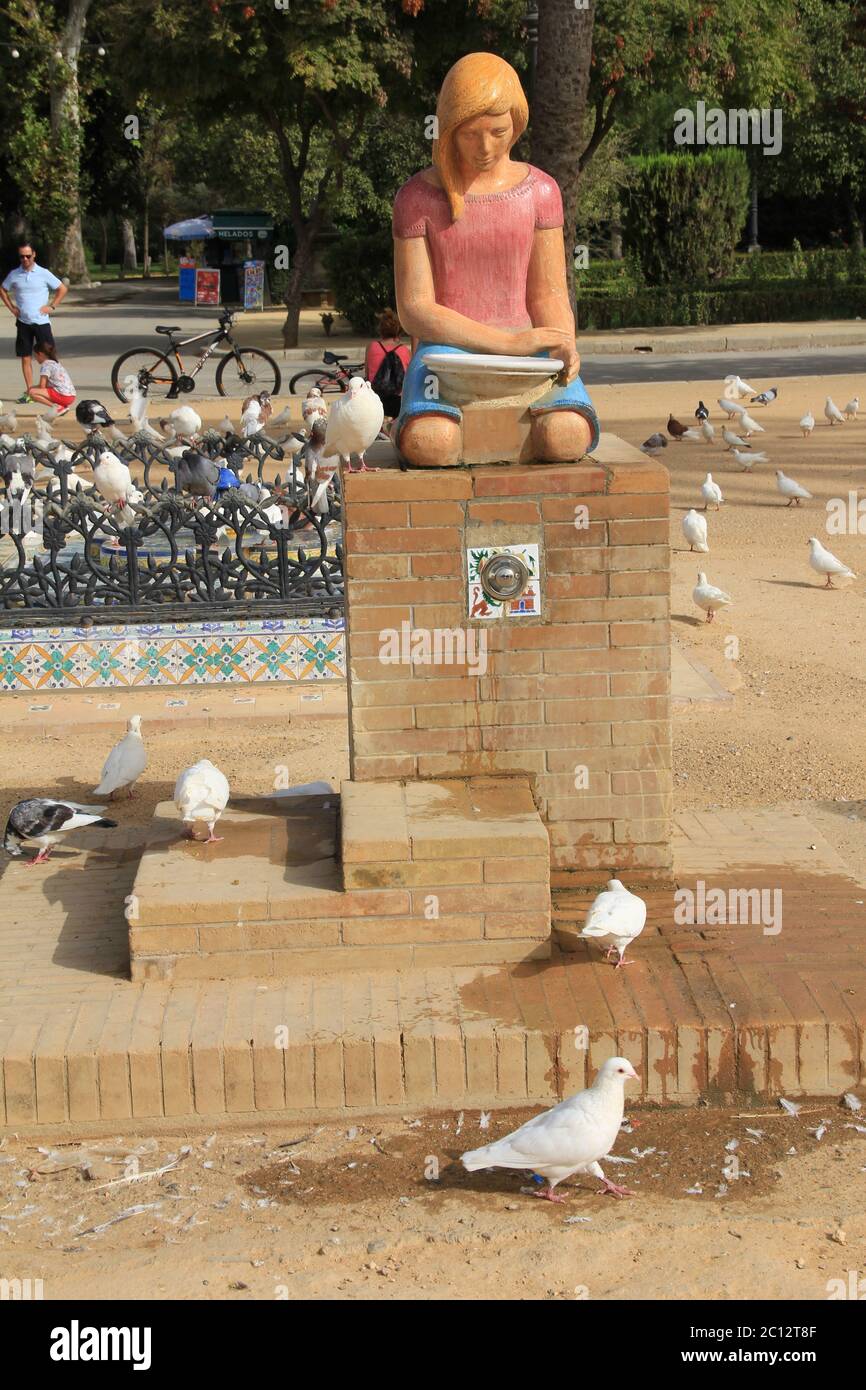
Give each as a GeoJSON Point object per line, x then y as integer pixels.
{"type": "Point", "coordinates": [388, 380]}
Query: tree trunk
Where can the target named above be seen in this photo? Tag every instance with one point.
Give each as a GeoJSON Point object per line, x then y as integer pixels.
{"type": "Point", "coordinates": [66, 129]}
{"type": "Point", "coordinates": [145, 252]}
{"type": "Point", "coordinates": [855, 222]}
{"type": "Point", "coordinates": [103, 242]}
{"type": "Point", "coordinates": [294, 290]}
{"type": "Point", "coordinates": [559, 100]}
{"type": "Point", "coordinates": [128, 257]}
{"type": "Point", "coordinates": [616, 234]}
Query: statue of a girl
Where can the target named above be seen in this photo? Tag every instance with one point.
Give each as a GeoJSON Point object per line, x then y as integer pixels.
{"type": "Point", "coordinates": [479, 264]}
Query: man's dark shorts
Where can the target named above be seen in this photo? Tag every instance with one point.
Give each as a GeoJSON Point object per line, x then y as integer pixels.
{"type": "Point", "coordinates": [31, 335]}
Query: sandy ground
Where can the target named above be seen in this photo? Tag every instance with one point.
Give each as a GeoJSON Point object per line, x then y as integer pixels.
{"type": "Point", "coordinates": [360, 1219]}
{"type": "Point", "coordinates": [380, 1209]}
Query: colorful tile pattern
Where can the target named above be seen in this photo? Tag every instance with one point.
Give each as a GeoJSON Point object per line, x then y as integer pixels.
{"type": "Point", "coordinates": [242, 653]}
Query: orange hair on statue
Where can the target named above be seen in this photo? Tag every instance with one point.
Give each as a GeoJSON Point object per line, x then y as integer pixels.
{"type": "Point", "coordinates": [480, 84]}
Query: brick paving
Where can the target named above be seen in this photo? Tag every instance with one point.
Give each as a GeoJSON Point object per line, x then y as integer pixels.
{"type": "Point", "coordinates": [716, 1011]}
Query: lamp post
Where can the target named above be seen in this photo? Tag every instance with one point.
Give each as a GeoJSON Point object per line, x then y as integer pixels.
{"type": "Point", "coordinates": [754, 244]}
{"type": "Point", "coordinates": [530, 20]}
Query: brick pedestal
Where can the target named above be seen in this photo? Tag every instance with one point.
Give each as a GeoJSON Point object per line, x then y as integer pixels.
{"type": "Point", "coordinates": [577, 699]}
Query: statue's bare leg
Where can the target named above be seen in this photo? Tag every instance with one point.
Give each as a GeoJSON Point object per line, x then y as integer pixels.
{"type": "Point", "coordinates": [559, 435]}
{"type": "Point", "coordinates": [431, 441]}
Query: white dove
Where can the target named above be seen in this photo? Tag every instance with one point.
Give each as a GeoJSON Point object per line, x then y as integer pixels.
{"type": "Point", "coordinates": [711, 492]}
{"type": "Point", "coordinates": [570, 1138]}
{"type": "Point", "coordinates": [201, 793]}
{"type": "Point", "coordinates": [137, 401]}
{"type": "Point", "coordinates": [734, 441]}
{"type": "Point", "coordinates": [619, 914]}
{"type": "Point", "coordinates": [354, 423]}
{"type": "Point", "coordinates": [225, 426]}
{"type": "Point", "coordinates": [807, 424]}
{"type": "Point", "coordinates": [113, 479]}
{"type": "Point", "coordinates": [183, 422]}
{"type": "Point", "coordinates": [825, 562]}
{"type": "Point", "coordinates": [708, 597]}
{"type": "Point", "coordinates": [850, 410]}
{"type": "Point", "coordinates": [695, 530]}
{"type": "Point", "coordinates": [748, 425]}
{"type": "Point", "coordinates": [708, 431]}
{"type": "Point", "coordinates": [790, 488]}
{"type": "Point", "coordinates": [251, 420]}
{"type": "Point", "coordinates": [731, 407]}
{"type": "Point", "coordinates": [747, 460]}
{"type": "Point", "coordinates": [125, 763]}
{"type": "Point", "coordinates": [832, 411]}
{"type": "Point", "coordinates": [737, 389]}
{"type": "Point", "coordinates": [283, 418]}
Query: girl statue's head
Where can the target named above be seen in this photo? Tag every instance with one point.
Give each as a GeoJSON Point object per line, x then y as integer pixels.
{"type": "Point", "coordinates": [481, 113]}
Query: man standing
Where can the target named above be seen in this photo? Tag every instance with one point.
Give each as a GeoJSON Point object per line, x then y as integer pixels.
{"type": "Point", "coordinates": [25, 293]}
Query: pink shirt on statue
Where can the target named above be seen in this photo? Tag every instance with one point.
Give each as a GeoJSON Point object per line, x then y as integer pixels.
{"type": "Point", "coordinates": [480, 262]}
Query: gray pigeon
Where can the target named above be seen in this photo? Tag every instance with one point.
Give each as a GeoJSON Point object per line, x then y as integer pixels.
{"type": "Point", "coordinates": [766, 397]}
{"type": "Point", "coordinates": [195, 473]}
{"type": "Point", "coordinates": [43, 821]}
{"type": "Point", "coordinates": [654, 443]}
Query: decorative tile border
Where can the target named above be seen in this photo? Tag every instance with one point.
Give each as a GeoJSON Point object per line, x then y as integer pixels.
{"type": "Point", "coordinates": [253, 651]}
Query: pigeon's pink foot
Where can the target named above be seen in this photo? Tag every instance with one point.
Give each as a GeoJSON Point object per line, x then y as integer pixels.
{"type": "Point", "coordinates": [609, 952]}
{"type": "Point", "coordinates": [213, 839]}
{"type": "Point", "coordinates": [621, 961]}
{"type": "Point", "coordinates": [549, 1193]}
{"type": "Point", "coordinates": [40, 858]}
{"type": "Point", "coordinates": [615, 1190]}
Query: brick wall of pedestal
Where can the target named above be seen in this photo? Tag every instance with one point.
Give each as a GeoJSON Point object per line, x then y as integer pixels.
{"type": "Point", "coordinates": [584, 686]}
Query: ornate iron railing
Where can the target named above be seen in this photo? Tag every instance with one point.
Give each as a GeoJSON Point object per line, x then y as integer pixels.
{"type": "Point", "coordinates": [64, 555]}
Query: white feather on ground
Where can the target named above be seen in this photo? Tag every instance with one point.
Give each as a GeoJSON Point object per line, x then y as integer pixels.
{"type": "Point", "coordinates": [570, 1138]}
{"type": "Point", "coordinates": [125, 763]}
{"type": "Point", "coordinates": [201, 794]}
{"type": "Point", "coordinates": [695, 530]}
{"type": "Point", "coordinates": [618, 914]}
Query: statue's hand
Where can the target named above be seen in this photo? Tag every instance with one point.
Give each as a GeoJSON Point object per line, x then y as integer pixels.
{"type": "Point", "coordinates": [556, 341]}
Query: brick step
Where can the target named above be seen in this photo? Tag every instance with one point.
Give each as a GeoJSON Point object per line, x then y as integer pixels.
{"type": "Point", "coordinates": [441, 874]}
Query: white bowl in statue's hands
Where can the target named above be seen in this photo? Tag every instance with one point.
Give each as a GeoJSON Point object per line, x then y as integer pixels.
{"type": "Point", "coordinates": [487, 376]}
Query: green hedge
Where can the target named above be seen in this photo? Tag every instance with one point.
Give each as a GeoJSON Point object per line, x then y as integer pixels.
{"type": "Point", "coordinates": [664, 306]}
{"type": "Point", "coordinates": [684, 214]}
{"type": "Point", "coordinates": [361, 271]}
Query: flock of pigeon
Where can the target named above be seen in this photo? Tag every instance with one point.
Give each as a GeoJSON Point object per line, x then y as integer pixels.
{"type": "Point", "coordinates": [201, 795]}
{"type": "Point", "coordinates": [346, 430]}
{"type": "Point", "coordinates": [735, 402]}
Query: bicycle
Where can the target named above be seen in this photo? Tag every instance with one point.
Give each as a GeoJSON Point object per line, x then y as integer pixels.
{"type": "Point", "coordinates": [239, 370]}
{"type": "Point", "coordinates": [328, 383]}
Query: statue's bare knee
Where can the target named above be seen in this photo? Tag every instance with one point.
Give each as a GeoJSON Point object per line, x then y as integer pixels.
{"type": "Point", "coordinates": [559, 435]}
{"type": "Point", "coordinates": [431, 441]}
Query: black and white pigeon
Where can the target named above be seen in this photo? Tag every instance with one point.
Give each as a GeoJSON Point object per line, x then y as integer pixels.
{"type": "Point", "coordinates": [766, 397]}
{"type": "Point", "coordinates": [195, 473]}
{"type": "Point", "coordinates": [702, 413]}
{"type": "Point", "coordinates": [92, 415]}
{"type": "Point", "coordinates": [40, 821]}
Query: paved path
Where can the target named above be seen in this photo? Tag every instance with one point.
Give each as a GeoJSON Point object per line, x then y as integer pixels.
{"type": "Point", "coordinates": [704, 1010]}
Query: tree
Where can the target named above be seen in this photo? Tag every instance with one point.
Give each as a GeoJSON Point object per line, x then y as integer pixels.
{"type": "Point", "coordinates": [559, 97]}
{"type": "Point", "coordinates": [47, 143]}
{"type": "Point", "coordinates": [309, 76]}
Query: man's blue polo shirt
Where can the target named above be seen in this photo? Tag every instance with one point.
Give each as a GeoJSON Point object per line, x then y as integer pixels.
{"type": "Point", "coordinates": [30, 290]}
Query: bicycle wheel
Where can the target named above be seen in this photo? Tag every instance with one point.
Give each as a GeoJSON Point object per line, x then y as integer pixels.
{"type": "Point", "coordinates": [329, 384]}
{"type": "Point", "coordinates": [255, 371]}
{"type": "Point", "coordinates": [155, 371]}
